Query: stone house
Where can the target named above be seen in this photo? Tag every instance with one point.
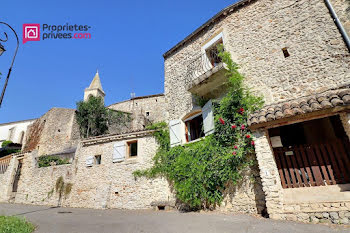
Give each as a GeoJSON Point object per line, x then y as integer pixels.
{"type": "Point", "coordinates": [292, 53]}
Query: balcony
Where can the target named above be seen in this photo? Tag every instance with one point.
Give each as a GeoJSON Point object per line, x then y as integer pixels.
{"type": "Point", "coordinates": [205, 75]}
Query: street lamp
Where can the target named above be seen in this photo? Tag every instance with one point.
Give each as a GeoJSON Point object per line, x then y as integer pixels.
{"type": "Point", "coordinates": [2, 50]}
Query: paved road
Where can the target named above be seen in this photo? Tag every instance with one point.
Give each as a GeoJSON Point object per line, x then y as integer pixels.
{"type": "Point", "coordinates": [74, 220]}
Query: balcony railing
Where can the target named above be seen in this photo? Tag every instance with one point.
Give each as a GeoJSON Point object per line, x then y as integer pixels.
{"type": "Point", "coordinates": [202, 64]}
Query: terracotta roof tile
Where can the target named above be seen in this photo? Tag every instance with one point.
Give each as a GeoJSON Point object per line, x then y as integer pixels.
{"type": "Point", "coordinates": [327, 99]}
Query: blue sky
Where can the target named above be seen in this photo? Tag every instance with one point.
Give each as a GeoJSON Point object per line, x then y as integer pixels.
{"type": "Point", "coordinates": [127, 44]}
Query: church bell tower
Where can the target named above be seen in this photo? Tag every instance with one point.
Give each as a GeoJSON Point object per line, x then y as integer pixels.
{"type": "Point", "coordinates": [95, 88]}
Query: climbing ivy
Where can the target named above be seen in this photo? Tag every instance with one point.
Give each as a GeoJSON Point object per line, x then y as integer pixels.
{"type": "Point", "coordinates": [200, 171]}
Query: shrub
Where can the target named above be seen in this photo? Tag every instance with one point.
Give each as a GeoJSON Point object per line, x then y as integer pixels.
{"type": "Point", "coordinates": [15, 225]}
{"type": "Point", "coordinates": [94, 118]}
{"type": "Point", "coordinates": [5, 143]}
{"type": "Point", "coordinates": [47, 160]}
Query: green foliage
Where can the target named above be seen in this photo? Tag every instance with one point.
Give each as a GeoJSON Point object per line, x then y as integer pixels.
{"type": "Point", "coordinates": [63, 189]}
{"type": "Point", "coordinates": [7, 151]}
{"type": "Point", "coordinates": [200, 171]}
{"type": "Point", "coordinates": [9, 224]}
{"type": "Point", "coordinates": [68, 189]}
{"type": "Point", "coordinates": [47, 160]}
{"type": "Point", "coordinates": [59, 185]}
{"type": "Point", "coordinates": [94, 118]}
{"type": "Point", "coordinates": [5, 143]}
{"type": "Point", "coordinates": [200, 101]}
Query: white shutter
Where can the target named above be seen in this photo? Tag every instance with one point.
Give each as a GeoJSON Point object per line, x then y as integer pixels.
{"type": "Point", "coordinates": [89, 161]}
{"type": "Point", "coordinates": [208, 118]}
{"type": "Point", "coordinates": [176, 132]}
{"type": "Point", "coordinates": [119, 151]}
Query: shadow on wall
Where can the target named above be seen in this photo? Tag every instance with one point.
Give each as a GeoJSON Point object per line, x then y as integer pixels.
{"type": "Point", "coordinates": [248, 190]}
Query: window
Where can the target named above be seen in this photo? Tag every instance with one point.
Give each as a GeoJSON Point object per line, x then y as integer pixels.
{"type": "Point", "coordinates": [132, 149]}
{"type": "Point", "coordinates": [147, 113]}
{"type": "Point", "coordinates": [21, 138]}
{"type": "Point", "coordinates": [194, 128]}
{"type": "Point", "coordinates": [97, 159]}
{"type": "Point", "coordinates": [11, 134]}
{"type": "Point", "coordinates": [213, 53]}
{"type": "Point", "coordinates": [195, 124]}
{"type": "Point", "coordinates": [285, 52]}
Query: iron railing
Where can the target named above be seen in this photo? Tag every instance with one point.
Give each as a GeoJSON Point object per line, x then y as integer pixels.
{"type": "Point", "coordinates": [202, 64]}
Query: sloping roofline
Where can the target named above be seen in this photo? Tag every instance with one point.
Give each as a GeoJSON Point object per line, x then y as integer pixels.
{"type": "Point", "coordinates": [139, 97]}
{"type": "Point", "coordinates": [9, 123]}
{"type": "Point", "coordinates": [222, 13]}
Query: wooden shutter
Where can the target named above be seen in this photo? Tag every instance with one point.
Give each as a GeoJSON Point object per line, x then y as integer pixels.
{"type": "Point", "coordinates": [208, 118]}
{"type": "Point", "coordinates": [176, 132]}
{"type": "Point", "coordinates": [119, 151]}
{"type": "Point", "coordinates": [89, 161]}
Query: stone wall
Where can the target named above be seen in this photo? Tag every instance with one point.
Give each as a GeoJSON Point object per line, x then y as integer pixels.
{"type": "Point", "coordinates": [112, 185]}
{"type": "Point", "coordinates": [255, 34]}
{"type": "Point", "coordinates": [154, 105]}
{"type": "Point", "coordinates": [6, 180]}
{"type": "Point", "coordinates": [342, 9]}
{"type": "Point", "coordinates": [55, 131]}
{"type": "Point", "coordinates": [108, 185]}
{"type": "Point", "coordinates": [37, 185]}
{"type": "Point", "coordinates": [246, 196]}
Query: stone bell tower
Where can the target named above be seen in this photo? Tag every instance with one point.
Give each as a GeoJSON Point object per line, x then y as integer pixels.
{"type": "Point", "coordinates": [95, 88]}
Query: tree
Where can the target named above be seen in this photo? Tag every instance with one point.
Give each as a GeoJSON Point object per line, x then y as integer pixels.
{"type": "Point", "coordinates": [94, 118]}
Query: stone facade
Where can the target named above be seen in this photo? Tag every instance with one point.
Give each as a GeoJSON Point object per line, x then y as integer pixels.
{"type": "Point", "coordinates": [255, 34]}
{"type": "Point", "coordinates": [144, 110]}
{"type": "Point", "coordinates": [106, 185]}
{"type": "Point", "coordinates": [342, 9]}
{"type": "Point", "coordinates": [258, 34]}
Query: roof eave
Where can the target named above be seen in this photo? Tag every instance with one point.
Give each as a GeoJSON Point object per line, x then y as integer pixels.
{"type": "Point", "coordinates": [223, 12]}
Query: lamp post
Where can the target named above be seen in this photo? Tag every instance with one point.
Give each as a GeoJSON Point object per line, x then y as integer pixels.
{"type": "Point", "coordinates": [2, 50]}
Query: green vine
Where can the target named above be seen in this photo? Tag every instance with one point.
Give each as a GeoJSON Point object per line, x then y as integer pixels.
{"type": "Point", "coordinates": [201, 171]}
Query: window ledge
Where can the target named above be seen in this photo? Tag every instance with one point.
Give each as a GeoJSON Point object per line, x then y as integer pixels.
{"type": "Point", "coordinates": [197, 140]}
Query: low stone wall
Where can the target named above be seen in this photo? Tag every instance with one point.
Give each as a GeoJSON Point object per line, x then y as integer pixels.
{"type": "Point", "coordinates": [113, 185]}
{"type": "Point", "coordinates": [6, 180]}
{"type": "Point", "coordinates": [326, 212]}
{"type": "Point", "coordinates": [37, 185]}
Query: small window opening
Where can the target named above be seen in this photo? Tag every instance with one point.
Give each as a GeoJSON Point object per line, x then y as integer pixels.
{"type": "Point", "coordinates": [285, 52]}
{"type": "Point", "coordinates": [116, 193]}
{"type": "Point", "coordinates": [147, 113]}
{"type": "Point", "coordinates": [97, 159]}
{"type": "Point", "coordinates": [194, 128]}
{"type": "Point", "coordinates": [59, 130]}
{"type": "Point", "coordinates": [132, 148]}
{"type": "Point", "coordinates": [213, 53]}
{"type": "Point", "coordinates": [161, 207]}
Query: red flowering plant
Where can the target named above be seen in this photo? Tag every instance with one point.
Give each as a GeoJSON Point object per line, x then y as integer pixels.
{"type": "Point", "coordinates": [234, 109]}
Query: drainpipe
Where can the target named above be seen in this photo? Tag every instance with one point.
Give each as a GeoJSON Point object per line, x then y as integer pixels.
{"type": "Point", "coordinates": [338, 23]}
